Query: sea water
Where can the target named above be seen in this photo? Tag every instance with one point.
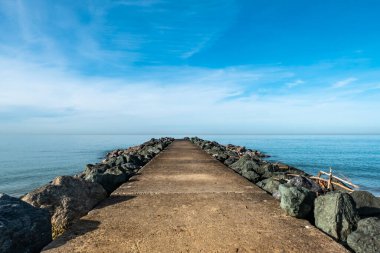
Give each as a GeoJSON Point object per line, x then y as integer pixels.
{"type": "Point", "coordinates": [29, 161]}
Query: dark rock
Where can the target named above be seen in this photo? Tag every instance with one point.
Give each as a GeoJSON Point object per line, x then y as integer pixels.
{"type": "Point", "coordinates": [307, 183]}
{"type": "Point", "coordinates": [230, 160]}
{"type": "Point", "coordinates": [296, 201]}
{"type": "Point", "coordinates": [250, 175]}
{"type": "Point", "coordinates": [23, 228]}
{"type": "Point", "coordinates": [366, 238]}
{"type": "Point", "coordinates": [130, 167]}
{"type": "Point", "coordinates": [245, 163]}
{"type": "Point", "coordinates": [335, 214]}
{"type": "Point", "coordinates": [100, 168]}
{"type": "Point", "coordinates": [276, 175]}
{"type": "Point", "coordinates": [240, 149]}
{"type": "Point", "coordinates": [366, 203]}
{"type": "Point", "coordinates": [111, 161]}
{"type": "Point", "coordinates": [67, 199]}
{"type": "Point", "coordinates": [221, 156]}
{"type": "Point", "coordinates": [110, 179]}
{"type": "Point", "coordinates": [270, 185]}
{"type": "Point", "coordinates": [232, 153]}
{"type": "Point", "coordinates": [154, 150]}
{"type": "Point", "coordinates": [120, 160]}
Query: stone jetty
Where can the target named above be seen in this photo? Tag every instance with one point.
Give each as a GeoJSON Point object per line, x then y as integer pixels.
{"type": "Point", "coordinates": [184, 200]}
{"type": "Point", "coordinates": [189, 195]}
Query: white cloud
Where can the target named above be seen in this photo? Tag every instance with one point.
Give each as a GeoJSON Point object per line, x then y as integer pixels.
{"type": "Point", "coordinates": [344, 82]}
{"type": "Point", "coordinates": [171, 100]}
{"type": "Point", "coordinates": [294, 83]}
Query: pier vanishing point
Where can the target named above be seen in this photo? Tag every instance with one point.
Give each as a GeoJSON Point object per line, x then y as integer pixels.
{"type": "Point", "coordinates": [186, 201]}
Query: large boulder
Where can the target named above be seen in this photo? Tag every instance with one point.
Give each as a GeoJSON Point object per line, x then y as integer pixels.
{"type": "Point", "coordinates": [67, 199]}
{"type": "Point", "coordinates": [366, 203]}
{"type": "Point", "coordinates": [245, 163]}
{"type": "Point", "coordinates": [301, 181]}
{"type": "Point", "coordinates": [296, 201]}
{"type": "Point", "coordinates": [110, 179]}
{"type": "Point", "coordinates": [134, 159]}
{"type": "Point", "coordinates": [270, 185]}
{"type": "Point", "coordinates": [366, 238]}
{"type": "Point", "coordinates": [336, 215]}
{"type": "Point", "coordinates": [250, 175]}
{"type": "Point", "coordinates": [23, 228]}
{"type": "Point", "coordinates": [230, 160]}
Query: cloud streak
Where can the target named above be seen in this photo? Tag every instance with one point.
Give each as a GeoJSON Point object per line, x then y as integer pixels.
{"type": "Point", "coordinates": [345, 82]}
{"type": "Point", "coordinates": [123, 67]}
{"type": "Point", "coordinates": [173, 100]}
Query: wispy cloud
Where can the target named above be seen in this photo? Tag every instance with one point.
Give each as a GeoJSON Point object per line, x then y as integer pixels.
{"type": "Point", "coordinates": [111, 36]}
{"type": "Point", "coordinates": [122, 67]}
{"type": "Point", "coordinates": [295, 83]}
{"type": "Point", "coordinates": [344, 82]}
{"type": "Point", "coordinates": [173, 100]}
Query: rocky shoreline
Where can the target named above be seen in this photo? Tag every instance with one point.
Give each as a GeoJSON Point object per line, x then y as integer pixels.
{"type": "Point", "coordinates": [31, 222]}
{"type": "Point", "coordinates": [353, 219]}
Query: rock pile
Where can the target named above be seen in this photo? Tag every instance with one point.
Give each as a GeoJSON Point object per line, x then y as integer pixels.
{"type": "Point", "coordinates": [67, 199]}
{"type": "Point", "coordinates": [23, 228]}
{"type": "Point", "coordinates": [341, 215]}
{"type": "Point", "coordinates": [28, 224]}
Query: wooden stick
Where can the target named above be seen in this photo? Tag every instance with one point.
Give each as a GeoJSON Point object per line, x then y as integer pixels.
{"type": "Point", "coordinates": [346, 182]}
{"type": "Point", "coordinates": [293, 175]}
{"type": "Point", "coordinates": [338, 178]}
{"type": "Point", "coordinates": [329, 185]}
{"type": "Point", "coordinates": [342, 186]}
{"type": "Point", "coordinates": [335, 183]}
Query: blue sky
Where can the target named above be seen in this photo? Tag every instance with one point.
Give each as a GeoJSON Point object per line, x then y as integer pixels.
{"type": "Point", "coordinates": [190, 67]}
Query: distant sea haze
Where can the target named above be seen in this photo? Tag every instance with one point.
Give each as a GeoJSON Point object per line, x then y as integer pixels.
{"type": "Point", "coordinates": [29, 161]}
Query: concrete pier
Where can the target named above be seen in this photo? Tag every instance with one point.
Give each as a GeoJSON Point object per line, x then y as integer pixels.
{"type": "Point", "coordinates": [186, 201]}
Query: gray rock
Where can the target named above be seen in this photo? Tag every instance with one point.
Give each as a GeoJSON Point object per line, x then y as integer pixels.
{"type": "Point", "coordinates": [366, 203]}
{"type": "Point", "coordinates": [221, 156]}
{"type": "Point", "coordinates": [251, 175]}
{"type": "Point", "coordinates": [230, 160]}
{"type": "Point", "coordinates": [134, 159]}
{"type": "Point", "coordinates": [67, 199]}
{"type": "Point", "coordinates": [270, 185]}
{"type": "Point", "coordinates": [277, 175]}
{"type": "Point", "coordinates": [245, 163]}
{"type": "Point", "coordinates": [23, 228]}
{"type": "Point", "coordinates": [100, 168]}
{"type": "Point", "coordinates": [336, 215]}
{"type": "Point", "coordinates": [120, 160]}
{"type": "Point", "coordinates": [366, 238]}
{"type": "Point", "coordinates": [296, 201]}
{"type": "Point", "coordinates": [232, 153]}
{"type": "Point", "coordinates": [110, 179]}
{"type": "Point", "coordinates": [111, 161]}
{"type": "Point", "coordinates": [301, 181]}
{"type": "Point", "coordinates": [130, 167]}
{"type": "Point", "coordinates": [154, 150]}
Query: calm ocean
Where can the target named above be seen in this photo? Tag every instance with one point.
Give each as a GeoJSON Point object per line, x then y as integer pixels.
{"type": "Point", "coordinates": [29, 161]}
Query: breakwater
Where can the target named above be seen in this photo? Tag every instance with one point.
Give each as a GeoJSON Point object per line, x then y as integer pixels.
{"type": "Point", "coordinates": [350, 218]}
{"type": "Point", "coordinates": [68, 198]}
{"type": "Point", "coordinates": [48, 211]}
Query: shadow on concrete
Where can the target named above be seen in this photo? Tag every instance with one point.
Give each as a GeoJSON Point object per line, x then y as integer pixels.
{"type": "Point", "coordinates": [83, 225]}
{"type": "Point", "coordinates": [113, 200]}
